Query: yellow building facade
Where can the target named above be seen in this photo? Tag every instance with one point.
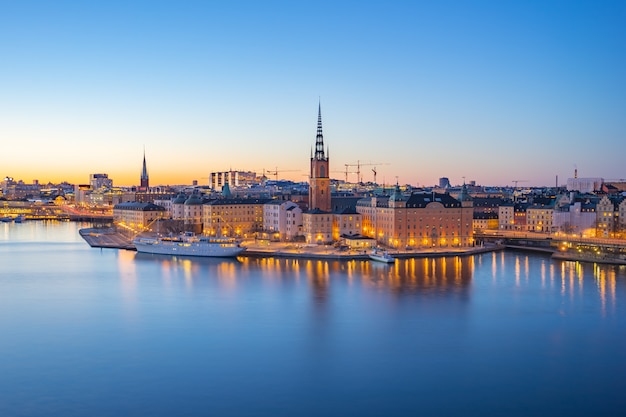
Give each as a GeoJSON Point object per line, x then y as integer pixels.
{"type": "Point", "coordinates": [233, 217]}
{"type": "Point", "coordinates": [419, 220]}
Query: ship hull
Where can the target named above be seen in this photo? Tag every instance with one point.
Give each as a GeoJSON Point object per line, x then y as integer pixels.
{"type": "Point", "coordinates": [215, 249]}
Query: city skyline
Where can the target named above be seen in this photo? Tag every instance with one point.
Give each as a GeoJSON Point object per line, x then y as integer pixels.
{"type": "Point", "coordinates": [482, 91]}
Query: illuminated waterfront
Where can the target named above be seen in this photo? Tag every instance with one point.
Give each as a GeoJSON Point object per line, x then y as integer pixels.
{"type": "Point", "coordinates": [107, 332]}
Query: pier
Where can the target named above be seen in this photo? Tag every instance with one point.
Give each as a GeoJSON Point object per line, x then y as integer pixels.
{"type": "Point", "coordinates": [111, 239]}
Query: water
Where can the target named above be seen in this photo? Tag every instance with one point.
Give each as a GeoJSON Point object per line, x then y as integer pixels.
{"type": "Point", "coordinates": [95, 332]}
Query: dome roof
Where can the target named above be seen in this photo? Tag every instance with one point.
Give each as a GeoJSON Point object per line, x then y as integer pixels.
{"type": "Point", "coordinates": [180, 199]}
{"type": "Point", "coordinates": [193, 200]}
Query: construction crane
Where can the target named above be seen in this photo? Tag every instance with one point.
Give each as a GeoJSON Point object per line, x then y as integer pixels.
{"type": "Point", "coordinates": [516, 181]}
{"type": "Point", "coordinates": [346, 172]}
{"type": "Point", "coordinates": [276, 171]}
{"type": "Point", "coordinates": [358, 166]}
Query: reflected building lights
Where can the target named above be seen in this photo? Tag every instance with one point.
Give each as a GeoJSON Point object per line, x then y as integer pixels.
{"type": "Point", "coordinates": [447, 276]}
{"type": "Point", "coordinates": [128, 273]}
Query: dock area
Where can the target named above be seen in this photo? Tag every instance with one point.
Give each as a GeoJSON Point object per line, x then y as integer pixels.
{"type": "Point", "coordinates": [112, 239]}
{"type": "Point", "coordinates": [98, 237]}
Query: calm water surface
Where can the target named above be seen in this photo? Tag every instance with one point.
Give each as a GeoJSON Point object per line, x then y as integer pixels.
{"type": "Point", "coordinates": [90, 332]}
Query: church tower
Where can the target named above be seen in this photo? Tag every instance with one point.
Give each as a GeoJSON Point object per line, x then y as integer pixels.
{"type": "Point", "coordinates": [319, 183]}
{"type": "Point", "coordinates": [144, 181]}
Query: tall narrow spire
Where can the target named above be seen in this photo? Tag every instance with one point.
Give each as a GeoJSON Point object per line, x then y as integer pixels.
{"type": "Point", "coordinates": [144, 181]}
{"type": "Point", "coordinates": [319, 139]}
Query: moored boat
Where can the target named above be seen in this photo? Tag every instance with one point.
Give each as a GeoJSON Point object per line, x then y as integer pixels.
{"type": "Point", "coordinates": [381, 255]}
{"type": "Point", "coordinates": [190, 245]}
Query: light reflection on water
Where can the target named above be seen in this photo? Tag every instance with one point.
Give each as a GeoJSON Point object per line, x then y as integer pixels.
{"type": "Point", "coordinates": [123, 333]}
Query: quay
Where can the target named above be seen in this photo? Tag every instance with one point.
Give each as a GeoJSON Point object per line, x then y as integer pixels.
{"type": "Point", "coordinates": [111, 239]}
{"type": "Point", "coordinates": [101, 237]}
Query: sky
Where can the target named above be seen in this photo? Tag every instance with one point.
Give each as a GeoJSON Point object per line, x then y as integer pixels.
{"type": "Point", "coordinates": [485, 91]}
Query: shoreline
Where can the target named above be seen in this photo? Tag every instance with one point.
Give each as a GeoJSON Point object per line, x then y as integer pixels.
{"type": "Point", "coordinates": [110, 239]}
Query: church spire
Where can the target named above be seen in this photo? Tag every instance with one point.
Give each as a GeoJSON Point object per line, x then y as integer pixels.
{"type": "Point", "coordinates": [144, 181]}
{"type": "Point", "coordinates": [319, 139]}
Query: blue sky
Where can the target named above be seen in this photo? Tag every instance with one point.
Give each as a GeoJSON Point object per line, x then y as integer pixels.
{"type": "Point", "coordinates": [492, 91]}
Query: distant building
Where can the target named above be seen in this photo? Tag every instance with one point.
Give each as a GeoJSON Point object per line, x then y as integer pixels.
{"type": "Point", "coordinates": [98, 181]}
{"type": "Point", "coordinates": [584, 185]}
{"type": "Point", "coordinates": [217, 180]}
{"type": "Point", "coordinates": [144, 180]}
{"type": "Point", "coordinates": [614, 187]}
{"type": "Point", "coordinates": [444, 182]}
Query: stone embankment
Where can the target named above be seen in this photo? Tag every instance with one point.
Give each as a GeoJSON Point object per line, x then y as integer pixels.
{"type": "Point", "coordinates": [106, 238]}
{"type": "Point", "coordinates": [110, 238]}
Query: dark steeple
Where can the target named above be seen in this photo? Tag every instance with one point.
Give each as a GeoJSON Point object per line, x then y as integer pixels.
{"type": "Point", "coordinates": [319, 139]}
{"type": "Point", "coordinates": [144, 181]}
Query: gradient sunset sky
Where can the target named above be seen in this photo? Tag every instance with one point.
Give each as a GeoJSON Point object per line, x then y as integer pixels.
{"type": "Point", "coordinates": [491, 91]}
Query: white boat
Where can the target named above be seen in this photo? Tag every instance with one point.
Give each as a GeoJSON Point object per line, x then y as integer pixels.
{"type": "Point", "coordinates": [190, 245]}
{"type": "Point", "coordinates": [381, 255]}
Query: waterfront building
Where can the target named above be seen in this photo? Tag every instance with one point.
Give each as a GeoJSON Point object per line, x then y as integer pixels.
{"type": "Point", "coordinates": [485, 221]}
{"type": "Point", "coordinates": [241, 217]}
{"type": "Point", "coordinates": [282, 219]}
{"type": "Point", "coordinates": [317, 226]}
{"type": "Point", "coordinates": [506, 216]}
{"type": "Point", "coordinates": [137, 216]}
{"type": "Point", "coordinates": [512, 216]}
{"type": "Point", "coordinates": [422, 219]}
{"type": "Point", "coordinates": [368, 207]}
{"type": "Point", "coordinates": [610, 212]}
{"type": "Point", "coordinates": [575, 215]}
{"type": "Point", "coordinates": [539, 215]}
{"type": "Point", "coordinates": [346, 224]}
{"type": "Point", "coordinates": [520, 216]}
{"type": "Point", "coordinates": [293, 222]}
